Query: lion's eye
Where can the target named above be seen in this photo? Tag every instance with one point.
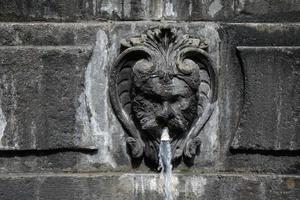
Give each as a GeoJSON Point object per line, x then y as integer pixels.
{"type": "Point", "coordinates": [143, 66]}
{"type": "Point", "coordinates": [187, 66]}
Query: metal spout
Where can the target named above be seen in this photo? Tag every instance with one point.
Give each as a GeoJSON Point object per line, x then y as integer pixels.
{"type": "Point", "coordinates": [165, 134]}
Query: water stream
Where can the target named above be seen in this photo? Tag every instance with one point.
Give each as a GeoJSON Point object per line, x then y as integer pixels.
{"type": "Point", "coordinates": [165, 157]}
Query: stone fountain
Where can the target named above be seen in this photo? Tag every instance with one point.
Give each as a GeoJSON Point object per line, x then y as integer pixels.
{"type": "Point", "coordinates": [149, 100]}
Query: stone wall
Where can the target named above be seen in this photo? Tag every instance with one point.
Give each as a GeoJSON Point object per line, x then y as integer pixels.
{"type": "Point", "coordinates": [59, 138]}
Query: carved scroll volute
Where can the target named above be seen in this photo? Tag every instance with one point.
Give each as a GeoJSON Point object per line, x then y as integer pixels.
{"type": "Point", "coordinates": [207, 96]}
{"type": "Point", "coordinates": [120, 87]}
{"type": "Point", "coordinates": [163, 79]}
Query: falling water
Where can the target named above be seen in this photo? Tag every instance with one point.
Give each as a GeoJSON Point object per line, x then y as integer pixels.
{"type": "Point", "coordinates": [165, 157]}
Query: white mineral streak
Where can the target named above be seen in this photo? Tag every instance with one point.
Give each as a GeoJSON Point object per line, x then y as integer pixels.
{"type": "Point", "coordinates": [190, 8]}
{"type": "Point", "coordinates": [141, 184]}
{"type": "Point", "coordinates": [109, 6]}
{"type": "Point", "coordinates": [145, 5]}
{"type": "Point", "coordinates": [159, 10]}
{"type": "Point", "coordinates": [214, 8]}
{"type": "Point", "coordinates": [209, 138]}
{"type": "Point", "coordinates": [2, 123]}
{"type": "Point", "coordinates": [169, 9]}
{"type": "Point", "coordinates": [82, 118]}
{"type": "Point", "coordinates": [12, 119]}
{"type": "Point", "coordinates": [92, 113]}
{"type": "Point", "coordinates": [240, 5]}
{"type": "Point", "coordinates": [196, 186]}
{"type": "Point", "coordinates": [262, 193]}
{"type": "Point", "coordinates": [127, 8]}
{"type": "Point", "coordinates": [94, 7]}
{"type": "Point", "coordinates": [232, 5]}
{"type": "Point", "coordinates": [33, 134]}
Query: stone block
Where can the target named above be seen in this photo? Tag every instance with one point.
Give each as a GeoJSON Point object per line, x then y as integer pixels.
{"type": "Point", "coordinates": [270, 116]}
{"type": "Point", "coordinates": [40, 87]}
{"type": "Point", "coordinates": [14, 188]}
{"type": "Point", "coordinates": [232, 96]}
{"type": "Point", "coordinates": [267, 10]}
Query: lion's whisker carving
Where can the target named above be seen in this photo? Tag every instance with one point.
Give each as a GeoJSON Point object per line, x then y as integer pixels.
{"type": "Point", "coordinates": [163, 80]}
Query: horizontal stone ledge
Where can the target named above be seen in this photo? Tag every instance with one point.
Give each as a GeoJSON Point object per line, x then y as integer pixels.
{"type": "Point", "coordinates": [267, 47]}
{"type": "Point", "coordinates": [8, 152]}
{"type": "Point", "coordinates": [47, 47]}
{"type": "Point", "coordinates": [146, 174]}
{"type": "Point", "coordinates": [60, 34]}
{"type": "Point", "coordinates": [116, 186]}
{"type": "Point", "coordinates": [105, 24]}
{"type": "Point", "coordinates": [48, 33]}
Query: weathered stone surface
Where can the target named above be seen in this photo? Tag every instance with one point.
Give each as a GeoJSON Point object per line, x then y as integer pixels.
{"type": "Point", "coordinates": [262, 34]}
{"type": "Point", "coordinates": [192, 10]}
{"type": "Point", "coordinates": [199, 10]}
{"type": "Point", "coordinates": [54, 34]}
{"type": "Point", "coordinates": [222, 40]}
{"type": "Point", "coordinates": [74, 10]}
{"type": "Point", "coordinates": [18, 188]}
{"type": "Point", "coordinates": [242, 34]}
{"type": "Point", "coordinates": [148, 186]}
{"type": "Point", "coordinates": [267, 10]}
{"type": "Point", "coordinates": [259, 162]}
{"type": "Point", "coordinates": [231, 96]}
{"type": "Point", "coordinates": [55, 111]}
{"type": "Point", "coordinates": [59, 10]}
{"type": "Point", "coordinates": [271, 112]}
{"type": "Point", "coordinates": [40, 87]}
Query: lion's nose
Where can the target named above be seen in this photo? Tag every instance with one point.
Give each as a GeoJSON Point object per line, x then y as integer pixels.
{"type": "Point", "coordinates": [166, 76]}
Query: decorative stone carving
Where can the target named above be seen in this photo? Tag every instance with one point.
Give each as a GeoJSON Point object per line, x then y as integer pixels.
{"type": "Point", "coordinates": [162, 79]}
